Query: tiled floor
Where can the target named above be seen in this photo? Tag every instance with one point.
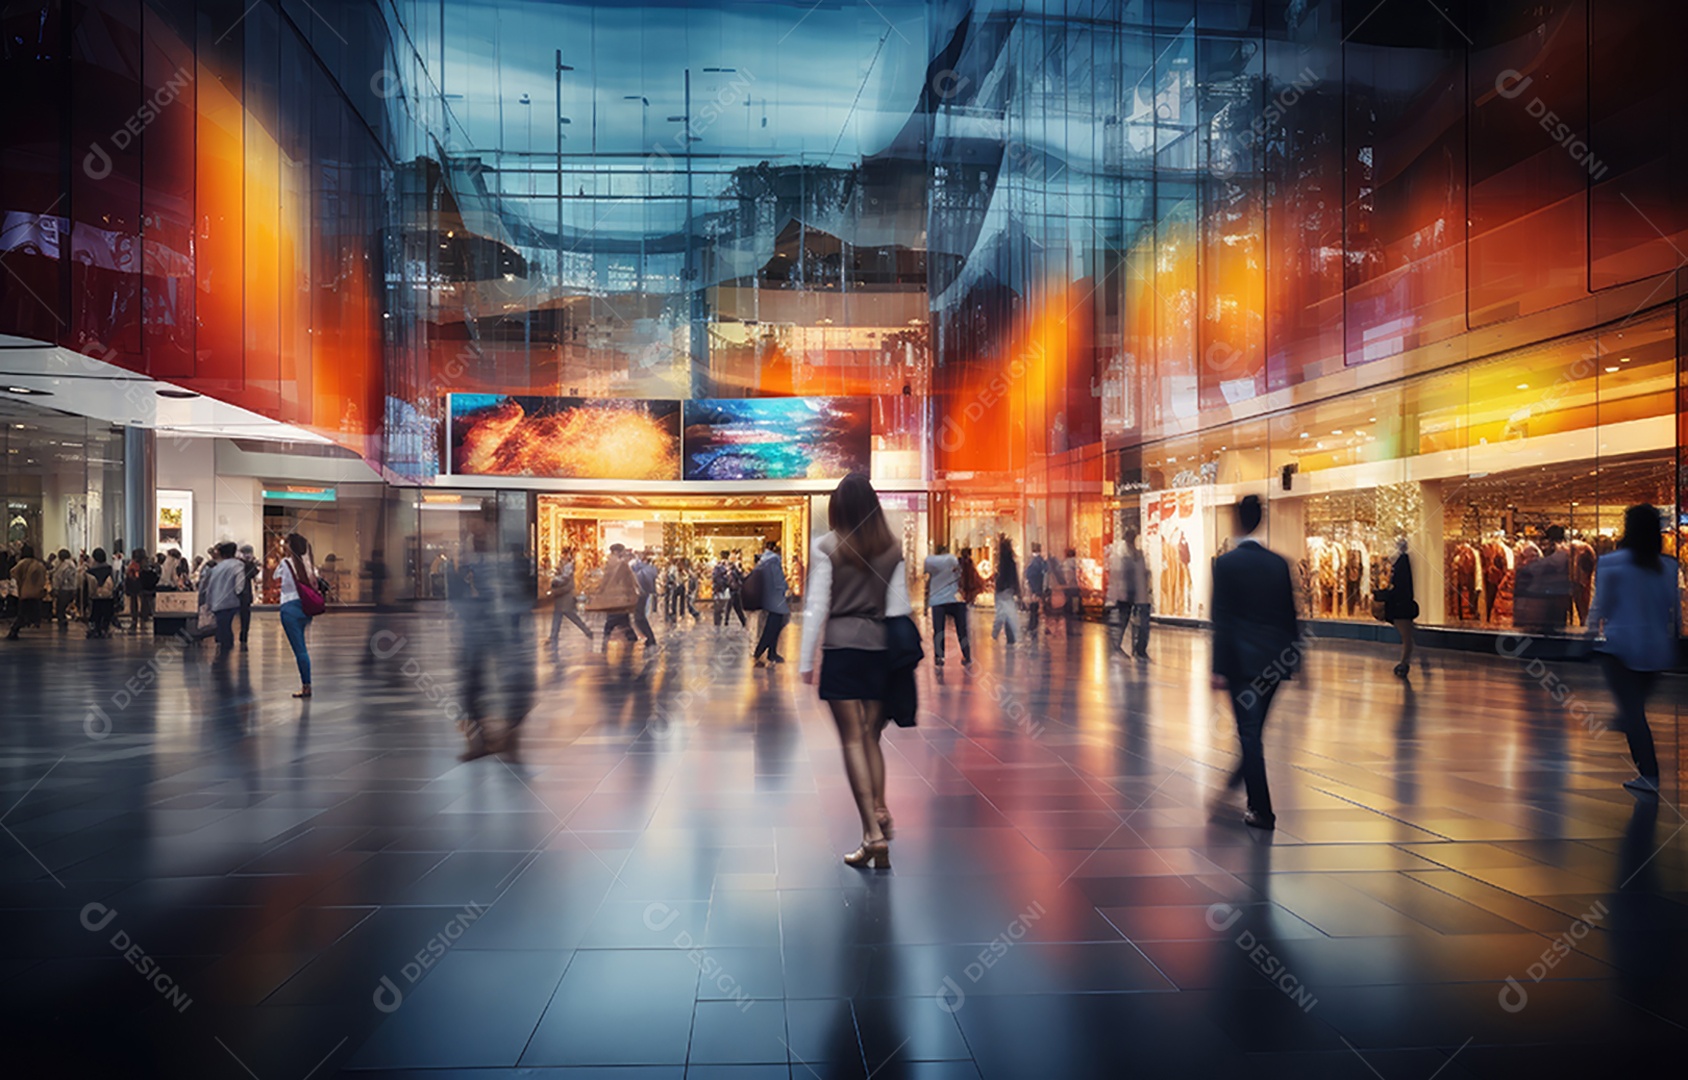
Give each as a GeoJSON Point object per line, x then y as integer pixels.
{"type": "Point", "coordinates": [281, 891]}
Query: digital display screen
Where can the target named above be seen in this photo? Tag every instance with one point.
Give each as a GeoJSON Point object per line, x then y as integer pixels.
{"type": "Point", "coordinates": [564, 438]}
{"type": "Point", "coordinates": [777, 438]}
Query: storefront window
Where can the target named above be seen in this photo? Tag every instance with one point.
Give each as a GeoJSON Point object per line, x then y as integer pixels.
{"type": "Point", "coordinates": [1505, 479]}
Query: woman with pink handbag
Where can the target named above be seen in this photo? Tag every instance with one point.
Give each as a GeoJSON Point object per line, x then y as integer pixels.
{"type": "Point", "coordinates": [301, 598]}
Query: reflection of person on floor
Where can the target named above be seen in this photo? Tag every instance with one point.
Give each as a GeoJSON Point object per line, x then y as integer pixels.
{"type": "Point", "coordinates": [776, 608]}
{"type": "Point", "coordinates": [1638, 613]}
{"type": "Point", "coordinates": [1256, 646]}
{"type": "Point", "coordinates": [563, 603]}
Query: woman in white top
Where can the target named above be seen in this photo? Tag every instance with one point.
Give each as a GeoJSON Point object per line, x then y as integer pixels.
{"type": "Point", "coordinates": [1637, 610]}
{"type": "Point", "coordinates": [294, 567]}
{"type": "Point", "coordinates": [856, 580]}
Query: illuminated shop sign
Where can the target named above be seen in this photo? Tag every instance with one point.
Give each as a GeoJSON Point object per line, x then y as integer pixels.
{"type": "Point", "coordinates": [299, 494]}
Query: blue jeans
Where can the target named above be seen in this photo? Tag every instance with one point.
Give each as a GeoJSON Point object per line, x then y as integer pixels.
{"type": "Point", "coordinates": [293, 623]}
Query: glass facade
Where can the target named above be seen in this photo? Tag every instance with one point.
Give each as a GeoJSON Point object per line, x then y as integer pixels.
{"type": "Point", "coordinates": [1083, 266]}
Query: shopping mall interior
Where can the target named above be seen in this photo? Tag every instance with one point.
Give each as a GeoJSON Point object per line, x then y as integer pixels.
{"type": "Point", "coordinates": [436, 282]}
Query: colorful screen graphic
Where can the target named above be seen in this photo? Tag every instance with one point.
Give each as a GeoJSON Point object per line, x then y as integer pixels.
{"type": "Point", "coordinates": [495, 435]}
{"type": "Point", "coordinates": [777, 438]}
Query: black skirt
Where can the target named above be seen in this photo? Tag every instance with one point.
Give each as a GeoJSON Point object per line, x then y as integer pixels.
{"type": "Point", "coordinates": [853, 675]}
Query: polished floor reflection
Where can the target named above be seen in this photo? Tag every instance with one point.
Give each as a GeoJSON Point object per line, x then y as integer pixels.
{"type": "Point", "coordinates": [201, 877]}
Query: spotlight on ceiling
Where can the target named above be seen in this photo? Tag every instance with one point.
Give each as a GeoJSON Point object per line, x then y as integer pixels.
{"type": "Point", "coordinates": [27, 391]}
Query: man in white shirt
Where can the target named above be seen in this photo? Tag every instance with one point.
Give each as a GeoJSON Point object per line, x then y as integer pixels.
{"type": "Point", "coordinates": [943, 597]}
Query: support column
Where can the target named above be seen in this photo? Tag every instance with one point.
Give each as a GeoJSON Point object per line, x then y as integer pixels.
{"type": "Point", "coordinates": [140, 489]}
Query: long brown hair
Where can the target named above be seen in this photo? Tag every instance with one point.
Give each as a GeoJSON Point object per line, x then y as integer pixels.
{"type": "Point", "coordinates": [858, 521]}
{"type": "Point", "coordinates": [299, 547]}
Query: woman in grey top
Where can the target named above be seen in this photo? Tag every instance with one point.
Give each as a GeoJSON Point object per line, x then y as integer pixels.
{"type": "Point", "coordinates": [1639, 614]}
{"type": "Point", "coordinates": [856, 579]}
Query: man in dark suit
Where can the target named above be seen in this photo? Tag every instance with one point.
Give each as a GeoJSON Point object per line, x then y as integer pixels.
{"type": "Point", "coordinates": [1256, 646]}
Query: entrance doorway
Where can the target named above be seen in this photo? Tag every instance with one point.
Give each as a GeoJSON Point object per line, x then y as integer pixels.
{"type": "Point", "coordinates": [689, 533]}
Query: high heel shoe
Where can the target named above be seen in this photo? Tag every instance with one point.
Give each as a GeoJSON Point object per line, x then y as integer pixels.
{"type": "Point", "coordinates": [874, 856]}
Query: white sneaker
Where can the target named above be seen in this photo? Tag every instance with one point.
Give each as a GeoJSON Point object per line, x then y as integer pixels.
{"type": "Point", "coordinates": [1646, 785]}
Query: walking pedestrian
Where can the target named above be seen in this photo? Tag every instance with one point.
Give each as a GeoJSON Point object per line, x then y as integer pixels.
{"type": "Point", "coordinates": [248, 582]}
{"type": "Point", "coordinates": [856, 581]}
{"type": "Point", "coordinates": [67, 576]}
{"type": "Point", "coordinates": [645, 575]}
{"type": "Point", "coordinates": [1638, 613]}
{"type": "Point", "coordinates": [617, 595]}
{"type": "Point", "coordinates": [1037, 587]}
{"type": "Point", "coordinates": [1256, 646]}
{"type": "Point", "coordinates": [1137, 592]}
{"type": "Point", "coordinates": [943, 600]}
{"type": "Point", "coordinates": [1007, 592]}
{"type": "Point", "coordinates": [295, 568]}
{"type": "Point", "coordinates": [29, 583]}
{"type": "Point", "coordinates": [776, 609]}
{"type": "Point", "coordinates": [1072, 594]}
{"type": "Point", "coordinates": [1117, 598]}
{"type": "Point", "coordinates": [564, 604]}
{"type": "Point", "coordinates": [220, 585]}
{"type": "Point", "coordinates": [102, 584]}
{"type": "Point", "coordinates": [1400, 609]}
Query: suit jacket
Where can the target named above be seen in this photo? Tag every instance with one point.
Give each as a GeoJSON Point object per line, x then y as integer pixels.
{"type": "Point", "coordinates": [1255, 633]}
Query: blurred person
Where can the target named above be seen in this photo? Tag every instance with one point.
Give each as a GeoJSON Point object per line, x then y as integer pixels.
{"type": "Point", "coordinates": [617, 595]}
{"type": "Point", "coordinates": [1256, 646]}
{"type": "Point", "coordinates": [735, 590]}
{"type": "Point", "coordinates": [1400, 608]}
{"type": "Point", "coordinates": [67, 579]}
{"type": "Point", "coordinates": [1637, 616]}
{"type": "Point", "coordinates": [673, 591]}
{"type": "Point", "coordinates": [297, 567]}
{"type": "Point", "coordinates": [249, 570]}
{"type": "Point", "coordinates": [645, 574]}
{"type": "Point", "coordinates": [220, 584]}
{"type": "Point", "coordinates": [132, 588]}
{"type": "Point", "coordinates": [1137, 593]}
{"type": "Point", "coordinates": [376, 568]}
{"type": "Point", "coordinates": [718, 579]}
{"type": "Point", "coordinates": [29, 584]}
{"type": "Point", "coordinates": [972, 584]}
{"type": "Point", "coordinates": [102, 585]}
{"type": "Point", "coordinates": [1007, 592]}
{"type": "Point", "coordinates": [1116, 598]}
{"type": "Point", "coordinates": [693, 582]}
{"type": "Point", "coordinates": [776, 608]}
{"type": "Point", "coordinates": [563, 602]}
{"type": "Point", "coordinates": [856, 581]}
{"type": "Point", "coordinates": [1037, 587]}
{"type": "Point", "coordinates": [943, 600]}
